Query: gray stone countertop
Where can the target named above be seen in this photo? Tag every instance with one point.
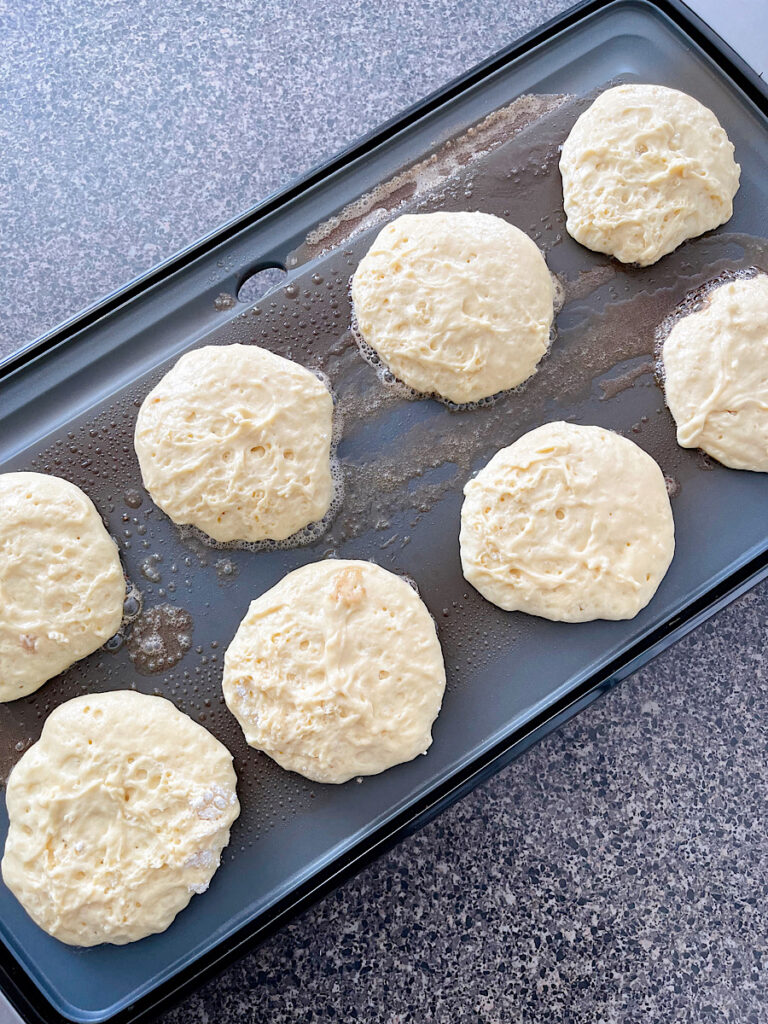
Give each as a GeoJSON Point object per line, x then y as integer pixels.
{"type": "Point", "coordinates": [618, 872]}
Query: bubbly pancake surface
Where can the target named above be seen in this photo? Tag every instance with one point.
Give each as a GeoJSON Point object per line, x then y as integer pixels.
{"type": "Point", "coordinates": [644, 168]}
{"type": "Point", "coordinates": [336, 671]}
{"type": "Point", "coordinates": [236, 441]}
{"type": "Point", "coordinates": [571, 523]}
{"type": "Point", "coordinates": [455, 304]}
{"type": "Point", "coordinates": [118, 816]}
{"type": "Point", "coordinates": [716, 375]}
{"type": "Point", "coordinates": [62, 587]}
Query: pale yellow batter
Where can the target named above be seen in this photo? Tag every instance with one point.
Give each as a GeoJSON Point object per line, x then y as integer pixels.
{"type": "Point", "coordinates": [455, 304]}
{"type": "Point", "coordinates": [571, 523]}
{"type": "Point", "coordinates": [118, 816]}
{"type": "Point", "coordinates": [61, 584]}
{"type": "Point", "coordinates": [716, 375]}
{"type": "Point", "coordinates": [236, 441]}
{"type": "Point", "coordinates": [644, 168]}
{"type": "Point", "coordinates": [336, 671]}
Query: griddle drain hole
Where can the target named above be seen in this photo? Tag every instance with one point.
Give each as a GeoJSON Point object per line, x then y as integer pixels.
{"type": "Point", "coordinates": [262, 280]}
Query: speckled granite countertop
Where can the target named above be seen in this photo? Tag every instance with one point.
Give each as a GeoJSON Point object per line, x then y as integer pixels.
{"type": "Point", "coordinates": [618, 872]}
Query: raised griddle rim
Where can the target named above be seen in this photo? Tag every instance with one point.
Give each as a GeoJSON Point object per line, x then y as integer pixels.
{"type": "Point", "coordinates": [15, 984]}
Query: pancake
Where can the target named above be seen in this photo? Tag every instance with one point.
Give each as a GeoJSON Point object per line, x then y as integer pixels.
{"type": "Point", "coordinates": [336, 671]}
{"type": "Point", "coordinates": [644, 168]}
{"type": "Point", "coordinates": [570, 523]}
{"type": "Point", "coordinates": [118, 816]}
{"type": "Point", "coordinates": [459, 305]}
{"type": "Point", "coordinates": [236, 441]}
{"type": "Point", "coordinates": [61, 581]}
{"type": "Point", "coordinates": [716, 375]}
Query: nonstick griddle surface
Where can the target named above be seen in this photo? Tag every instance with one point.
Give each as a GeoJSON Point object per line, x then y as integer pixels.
{"type": "Point", "coordinates": [404, 464]}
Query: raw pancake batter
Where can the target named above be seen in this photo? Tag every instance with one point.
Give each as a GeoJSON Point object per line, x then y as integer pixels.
{"type": "Point", "coordinates": [716, 375]}
{"type": "Point", "coordinates": [644, 168]}
{"type": "Point", "coordinates": [336, 671]}
{"type": "Point", "coordinates": [570, 523]}
{"type": "Point", "coordinates": [118, 816]}
{"type": "Point", "coordinates": [61, 584]}
{"type": "Point", "coordinates": [236, 441]}
{"type": "Point", "coordinates": [456, 304]}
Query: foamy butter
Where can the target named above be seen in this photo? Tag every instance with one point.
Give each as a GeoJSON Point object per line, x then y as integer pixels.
{"type": "Point", "coordinates": [159, 638]}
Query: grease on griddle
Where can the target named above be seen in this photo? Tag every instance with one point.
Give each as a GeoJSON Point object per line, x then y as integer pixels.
{"type": "Point", "coordinates": [622, 381]}
{"type": "Point", "coordinates": [226, 569]}
{"type": "Point", "coordinates": [159, 639]}
{"type": "Point", "coordinates": [425, 176]}
{"type": "Point", "coordinates": [587, 281]}
{"type": "Point", "coordinates": [133, 498]}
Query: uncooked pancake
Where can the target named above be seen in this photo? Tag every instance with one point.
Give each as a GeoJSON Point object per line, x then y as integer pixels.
{"type": "Point", "coordinates": [455, 304]}
{"type": "Point", "coordinates": [336, 671]}
{"type": "Point", "coordinates": [118, 816]}
{"type": "Point", "coordinates": [61, 584]}
{"type": "Point", "coordinates": [236, 441]}
{"type": "Point", "coordinates": [571, 523]}
{"type": "Point", "coordinates": [716, 375]}
{"type": "Point", "coordinates": [644, 168]}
